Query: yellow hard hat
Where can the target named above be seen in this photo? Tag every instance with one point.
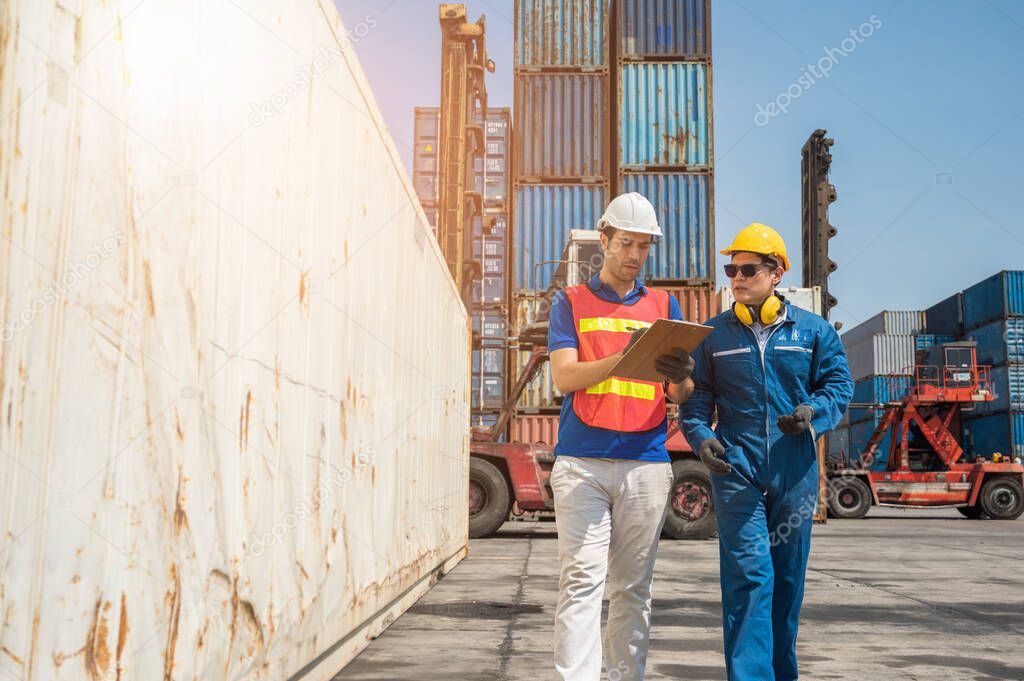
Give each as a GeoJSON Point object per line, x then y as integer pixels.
{"type": "Point", "coordinates": [758, 238]}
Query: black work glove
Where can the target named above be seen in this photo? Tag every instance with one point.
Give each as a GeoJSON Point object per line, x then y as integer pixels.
{"type": "Point", "coordinates": [798, 421]}
{"type": "Point", "coordinates": [676, 367]}
{"type": "Point", "coordinates": [711, 452]}
{"type": "Point", "coordinates": [634, 337]}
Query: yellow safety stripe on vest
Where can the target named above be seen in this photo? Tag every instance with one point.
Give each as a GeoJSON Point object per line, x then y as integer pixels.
{"type": "Point", "coordinates": [610, 324]}
{"type": "Point", "coordinates": [618, 386]}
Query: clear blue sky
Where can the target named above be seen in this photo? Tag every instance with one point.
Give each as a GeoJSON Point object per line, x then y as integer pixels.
{"type": "Point", "coordinates": [937, 88]}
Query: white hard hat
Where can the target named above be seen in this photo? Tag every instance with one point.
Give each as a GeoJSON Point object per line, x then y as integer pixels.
{"type": "Point", "coordinates": [632, 212]}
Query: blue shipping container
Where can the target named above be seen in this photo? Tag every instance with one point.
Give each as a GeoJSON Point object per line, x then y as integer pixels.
{"type": "Point", "coordinates": [683, 203]}
{"type": "Point", "coordinates": [881, 389]}
{"type": "Point", "coordinates": [664, 28]}
{"type": "Point", "coordinates": [489, 360]}
{"type": "Point", "coordinates": [490, 325]}
{"type": "Point", "coordinates": [561, 125]}
{"type": "Point", "coordinates": [1007, 390]}
{"type": "Point", "coordinates": [561, 33]}
{"type": "Point", "coordinates": [946, 317]}
{"type": "Point", "coordinates": [998, 297]}
{"type": "Point", "coordinates": [1000, 342]}
{"type": "Point", "coordinates": [926, 341]}
{"type": "Point", "coordinates": [544, 215]}
{"type": "Point", "coordinates": [1002, 432]}
{"type": "Point", "coordinates": [664, 115]}
{"type": "Point", "coordinates": [488, 392]}
{"type": "Point", "coordinates": [490, 290]}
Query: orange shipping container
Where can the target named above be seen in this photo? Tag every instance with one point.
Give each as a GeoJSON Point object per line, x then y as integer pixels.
{"type": "Point", "coordinates": [698, 303]}
{"type": "Point", "coordinates": [535, 429]}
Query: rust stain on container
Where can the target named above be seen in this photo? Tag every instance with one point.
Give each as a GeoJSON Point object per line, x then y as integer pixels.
{"type": "Point", "coordinates": [148, 280]}
{"type": "Point", "coordinates": [97, 655]}
{"type": "Point", "coordinates": [180, 518]}
{"type": "Point", "coordinates": [243, 423]}
{"type": "Point", "coordinates": [174, 600]}
{"type": "Point", "coordinates": [122, 633]}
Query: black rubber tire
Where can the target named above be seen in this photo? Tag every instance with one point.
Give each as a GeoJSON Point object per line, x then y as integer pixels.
{"type": "Point", "coordinates": [496, 498]}
{"type": "Point", "coordinates": [677, 526]}
{"type": "Point", "coordinates": [972, 512]}
{"type": "Point", "coordinates": [1002, 498]}
{"type": "Point", "coordinates": [849, 498]}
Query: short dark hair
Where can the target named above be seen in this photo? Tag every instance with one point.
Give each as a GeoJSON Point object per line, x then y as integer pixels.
{"type": "Point", "coordinates": [608, 230]}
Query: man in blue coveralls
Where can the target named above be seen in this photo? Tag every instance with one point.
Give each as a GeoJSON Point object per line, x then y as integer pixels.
{"type": "Point", "coordinates": [778, 377]}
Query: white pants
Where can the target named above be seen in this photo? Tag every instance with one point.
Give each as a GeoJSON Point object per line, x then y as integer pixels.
{"type": "Point", "coordinates": [609, 513]}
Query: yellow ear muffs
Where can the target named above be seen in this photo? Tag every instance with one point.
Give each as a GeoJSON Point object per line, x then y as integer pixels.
{"type": "Point", "coordinates": [743, 313]}
{"type": "Point", "coordinates": [770, 311]}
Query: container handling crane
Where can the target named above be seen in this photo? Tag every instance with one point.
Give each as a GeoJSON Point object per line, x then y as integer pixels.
{"type": "Point", "coordinates": [924, 466]}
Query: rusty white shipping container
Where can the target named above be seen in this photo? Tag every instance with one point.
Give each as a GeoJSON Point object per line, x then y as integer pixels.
{"type": "Point", "coordinates": [229, 453]}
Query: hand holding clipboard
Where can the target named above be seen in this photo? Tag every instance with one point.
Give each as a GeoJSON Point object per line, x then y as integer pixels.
{"type": "Point", "coordinates": [660, 338]}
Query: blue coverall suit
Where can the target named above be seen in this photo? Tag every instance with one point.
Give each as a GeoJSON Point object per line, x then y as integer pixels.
{"type": "Point", "coordinates": [764, 505]}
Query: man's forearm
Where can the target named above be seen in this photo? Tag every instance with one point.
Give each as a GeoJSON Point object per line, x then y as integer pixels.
{"type": "Point", "coordinates": [581, 375]}
{"type": "Point", "coordinates": [680, 392]}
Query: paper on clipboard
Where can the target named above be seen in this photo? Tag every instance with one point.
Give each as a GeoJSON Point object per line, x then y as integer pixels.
{"type": "Point", "coordinates": [658, 340]}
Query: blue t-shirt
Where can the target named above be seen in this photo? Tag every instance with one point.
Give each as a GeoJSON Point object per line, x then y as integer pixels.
{"type": "Point", "coordinates": [576, 438]}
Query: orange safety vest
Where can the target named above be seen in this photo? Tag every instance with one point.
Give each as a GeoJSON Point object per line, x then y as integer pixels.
{"type": "Point", "coordinates": [623, 405]}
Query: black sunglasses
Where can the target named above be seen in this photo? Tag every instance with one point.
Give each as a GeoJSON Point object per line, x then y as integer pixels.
{"type": "Point", "coordinates": [746, 270]}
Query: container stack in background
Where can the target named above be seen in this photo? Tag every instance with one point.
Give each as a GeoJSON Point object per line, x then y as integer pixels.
{"type": "Point", "coordinates": [490, 248]}
{"type": "Point", "coordinates": [609, 98]}
{"type": "Point", "coordinates": [882, 350]}
{"type": "Point", "coordinates": [664, 143]}
{"type": "Point", "coordinates": [993, 317]}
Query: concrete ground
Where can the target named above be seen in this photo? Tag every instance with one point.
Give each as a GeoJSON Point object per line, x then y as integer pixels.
{"type": "Point", "coordinates": [925, 595]}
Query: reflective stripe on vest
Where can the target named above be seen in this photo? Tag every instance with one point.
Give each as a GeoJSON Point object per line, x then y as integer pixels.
{"type": "Point", "coordinates": [621, 386]}
{"type": "Point", "coordinates": [604, 328]}
{"type": "Point", "coordinates": [611, 324]}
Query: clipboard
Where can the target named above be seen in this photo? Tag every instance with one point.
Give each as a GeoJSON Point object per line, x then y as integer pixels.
{"type": "Point", "coordinates": [658, 340]}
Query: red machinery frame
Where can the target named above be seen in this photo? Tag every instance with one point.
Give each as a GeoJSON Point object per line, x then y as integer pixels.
{"type": "Point", "coordinates": [934, 401]}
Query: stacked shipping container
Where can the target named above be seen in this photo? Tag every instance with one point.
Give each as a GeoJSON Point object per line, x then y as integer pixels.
{"type": "Point", "coordinates": [991, 314]}
{"type": "Point", "coordinates": [610, 98]}
{"type": "Point", "coordinates": [490, 245]}
{"type": "Point", "coordinates": [664, 147]}
{"type": "Point", "coordinates": [993, 317]}
{"type": "Point", "coordinates": [882, 352]}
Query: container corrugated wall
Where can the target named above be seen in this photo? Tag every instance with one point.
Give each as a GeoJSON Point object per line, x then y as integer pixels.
{"type": "Point", "coordinates": [999, 296]}
{"type": "Point", "coordinates": [697, 303]}
{"type": "Point", "coordinates": [561, 126]}
{"type": "Point", "coordinates": [218, 476]}
{"type": "Point", "coordinates": [1000, 342]}
{"type": "Point", "coordinates": [1007, 390]}
{"type": "Point", "coordinates": [1003, 433]}
{"type": "Point", "coordinates": [881, 354]}
{"type": "Point", "coordinates": [674, 28]}
{"type": "Point", "coordinates": [535, 429]}
{"type": "Point", "coordinates": [684, 212]}
{"type": "Point", "coordinates": [544, 214]}
{"type": "Point", "coordinates": [882, 389]}
{"type": "Point", "coordinates": [561, 33]}
{"type": "Point", "coordinates": [664, 115]}
{"type": "Point", "coordinates": [888, 322]}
